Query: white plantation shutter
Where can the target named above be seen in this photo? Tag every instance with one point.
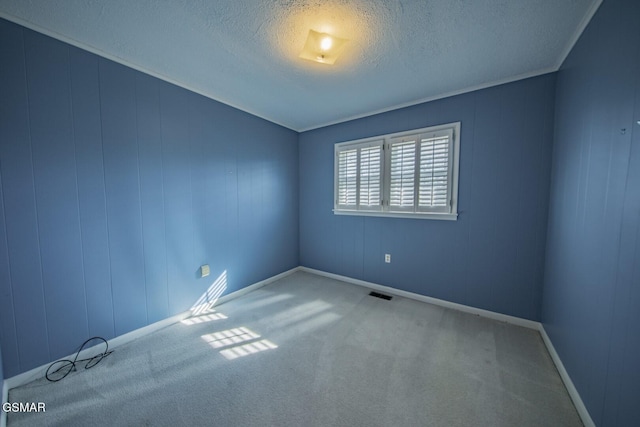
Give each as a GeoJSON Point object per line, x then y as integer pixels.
{"type": "Point", "coordinates": [402, 174]}
{"type": "Point", "coordinates": [434, 190]}
{"type": "Point", "coordinates": [411, 174]}
{"type": "Point", "coordinates": [359, 176]}
{"type": "Point", "coordinates": [347, 177]}
{"type": "Point", "coordinates": [370, 176]}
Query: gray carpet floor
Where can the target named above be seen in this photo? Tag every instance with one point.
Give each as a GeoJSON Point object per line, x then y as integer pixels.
{"type": "Point", "coordinates": [311, 351]}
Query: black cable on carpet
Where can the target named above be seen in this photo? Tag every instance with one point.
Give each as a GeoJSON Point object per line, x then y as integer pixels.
{"type": "Point", "coordinates": [65, 366]}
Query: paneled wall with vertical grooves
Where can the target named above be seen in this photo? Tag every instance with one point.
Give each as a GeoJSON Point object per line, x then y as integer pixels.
{"type": "Point", "coordinates": [591, 304]}
{"type": "Point", "coordinates": [492, 257]}
{"type": "Point", "coordinates": [115, 187]}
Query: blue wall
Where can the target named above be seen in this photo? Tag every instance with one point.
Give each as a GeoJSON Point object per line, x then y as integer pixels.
{"type": "Point", "coordinates": [1, 369]}
{"type": "Point", "coordinates": [492, 257]}
{"type": "Point", "coordinates": [115, 187]}
{"type": "Point", "coordinates": [591, 304]}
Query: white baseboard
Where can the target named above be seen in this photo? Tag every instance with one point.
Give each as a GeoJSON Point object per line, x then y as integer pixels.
{"type": "Point", "coordinates": [435, 301]}
{"type": "Point", "coordinates": [39, 372]}
{"type": "Point", "coordinates": [566, 379]}
{"type": "Point", "coordinates": [255, 286]}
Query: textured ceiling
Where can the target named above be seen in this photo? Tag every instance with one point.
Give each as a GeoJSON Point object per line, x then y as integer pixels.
{"type": "Point", "coordinates": [245, 52]}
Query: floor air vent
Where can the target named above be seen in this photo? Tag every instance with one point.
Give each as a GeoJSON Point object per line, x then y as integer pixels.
{"type": "Point", "coordinates": [379, 295]}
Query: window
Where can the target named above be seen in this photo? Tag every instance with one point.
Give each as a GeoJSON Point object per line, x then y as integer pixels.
{"type": "Point", "coordinates": [409, 174]}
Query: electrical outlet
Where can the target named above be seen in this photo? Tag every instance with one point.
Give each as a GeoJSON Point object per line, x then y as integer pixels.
{"type": "Point", "coordinates": [204, 270]}
{"type": "Point", "coordinates": [387, 258]}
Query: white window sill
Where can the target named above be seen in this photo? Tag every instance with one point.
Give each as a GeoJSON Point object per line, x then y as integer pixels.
{"type": "Point", "coordinates": [421, 215]}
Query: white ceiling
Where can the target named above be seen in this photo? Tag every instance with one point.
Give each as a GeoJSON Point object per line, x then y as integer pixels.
{"type": "Point", "coordinates": [245, 52]}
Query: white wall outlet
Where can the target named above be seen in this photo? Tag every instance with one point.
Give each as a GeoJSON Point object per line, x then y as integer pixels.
{"type": "Point", "coordinates": [204, 270]}
{"type": "Point", "coordinates": [387, 258]}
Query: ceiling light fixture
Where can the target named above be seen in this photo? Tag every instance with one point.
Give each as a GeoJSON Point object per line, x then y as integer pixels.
{"type": "Point", "coordinates": [322, 47]}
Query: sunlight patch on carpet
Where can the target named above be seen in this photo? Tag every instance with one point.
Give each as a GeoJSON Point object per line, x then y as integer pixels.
{"type": "Point", "coordinates": [204, 318]}
{"type": "Point", "coordinates": [247, 349]}
{"type": "Point", "coordinates": [229, 337]}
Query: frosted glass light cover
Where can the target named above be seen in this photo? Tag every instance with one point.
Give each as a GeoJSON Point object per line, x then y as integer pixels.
{"type": "Point", "coordinates": [322, 47]}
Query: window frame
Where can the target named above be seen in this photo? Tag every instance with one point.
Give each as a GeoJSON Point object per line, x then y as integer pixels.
{"type": "Point", "coordinates": [384, 209]}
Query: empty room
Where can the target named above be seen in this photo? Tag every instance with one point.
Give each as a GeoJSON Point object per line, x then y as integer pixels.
{"type": "Point", "coordinates": [320, 213]}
